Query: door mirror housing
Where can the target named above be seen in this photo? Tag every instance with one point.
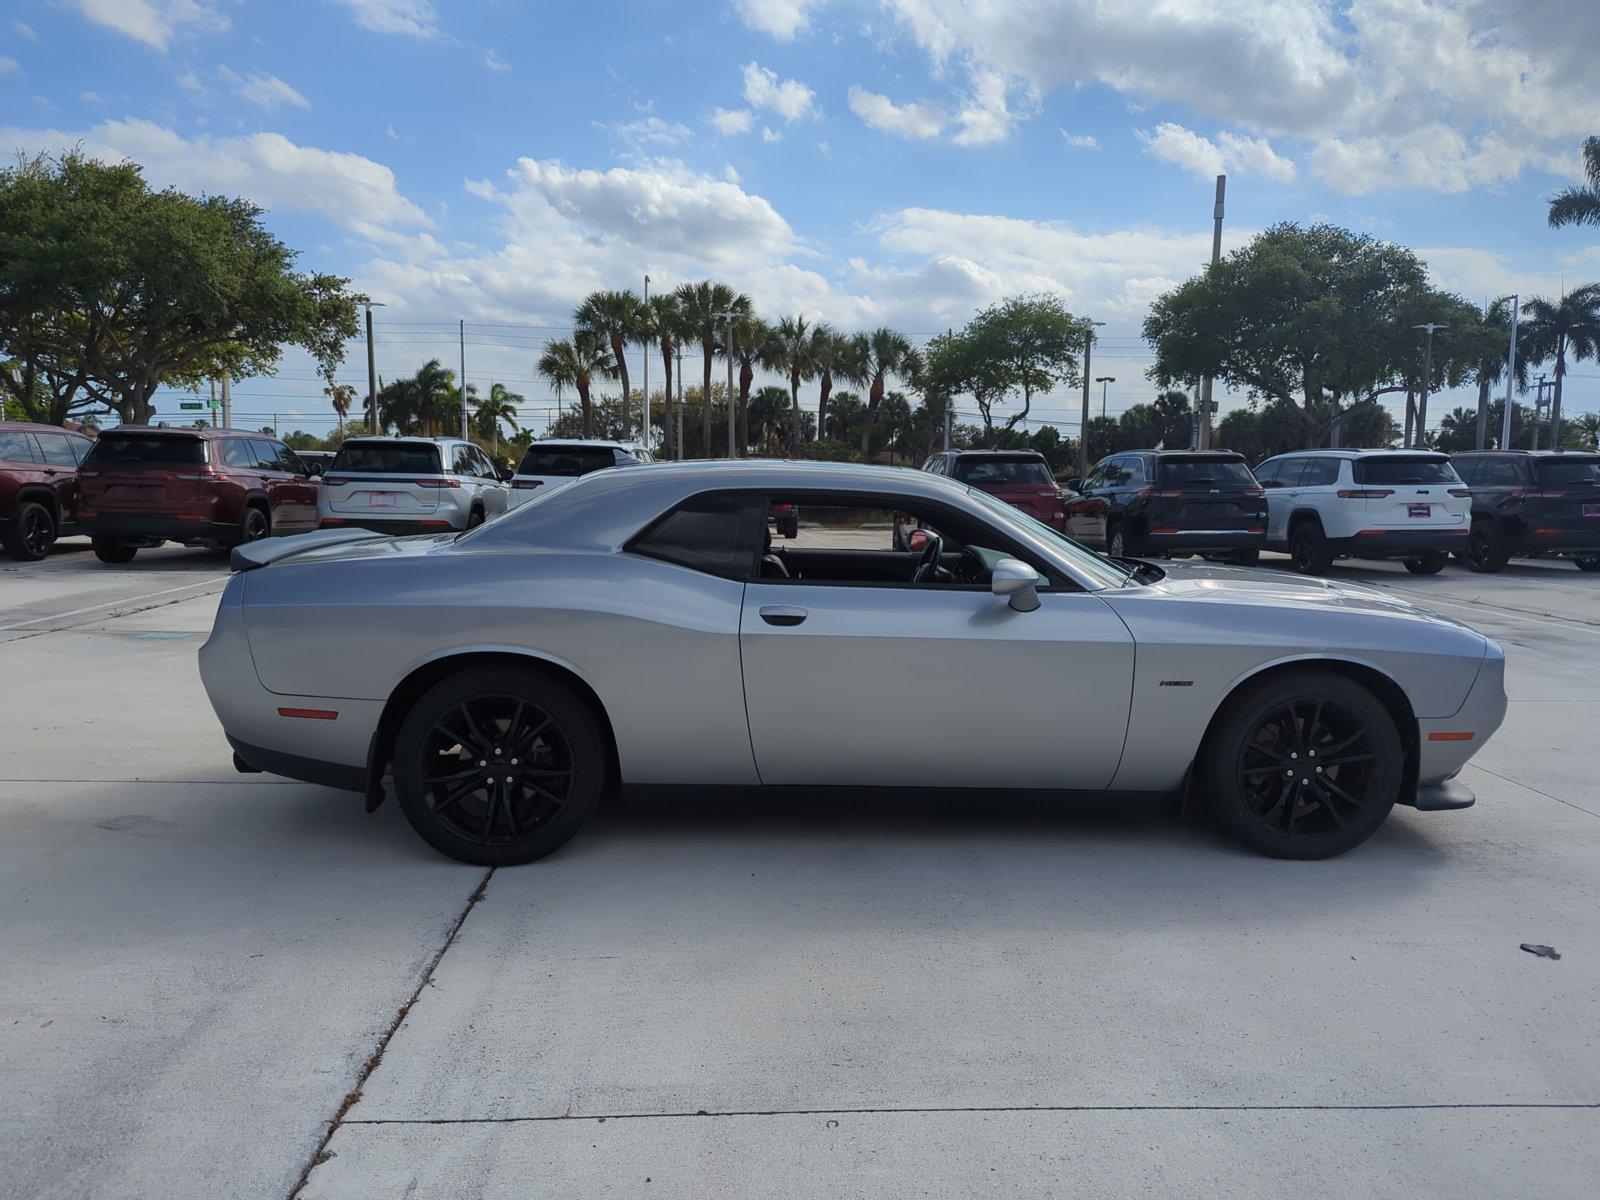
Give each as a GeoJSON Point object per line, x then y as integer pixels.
{"type": "Point", "coordinates": [505, 473]}
{"type": "Point", "coordinates": [1017, 583]}
{"type": "Point", "coordinates": [1074, 483]}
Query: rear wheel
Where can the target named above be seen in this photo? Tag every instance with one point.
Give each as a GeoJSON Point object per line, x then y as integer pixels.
{"type": "Point", "coordinates": [1309, 550]}
{"type": "Point", "coordinates": [1487, 551]}
{"type": "Point", "coordinates": [1117, 542]}
{"type": "Point", "coordinates": [1590, 562]}
{"type": "Point", "coordinates": [109, 550]}
{"type": "Point", "coordinates": [1428, 564]}
{"type": "Point", "coordinates": [1306, 765]}
{"type": "Point", "coordinates": [498, 766]}
{"type": "Point", "coordinates": [253, 526]}
{"type": "Point", "coordinates": [31, 533]}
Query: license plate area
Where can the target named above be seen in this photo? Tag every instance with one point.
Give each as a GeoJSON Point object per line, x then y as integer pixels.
{"type": "Point", "coordinates": [1419, 510]}
{"type": "Point", "coordinates": [1591, 510]}
{"type": "Point", "coordinates": [382, 499]}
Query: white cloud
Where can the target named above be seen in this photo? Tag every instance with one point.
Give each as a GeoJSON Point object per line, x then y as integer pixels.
{"type": "Point", "coordinates": [985, 117]}
{"type": "Point", "coordinates": [1230, 154]}
{"type": "Point", "coordinates": [769, 134]}
{"type": "Point", "coordinates": [781, 19]}
{"type": "Point", "coordinates": [7, 65]}
{"type": "Point", "coordinates": [728, 122]}
{"type": "Point", "coordinates": [410, 18]}
{"type": "Point", "coordinates": [789, 98]}
{"type": "Point", "coordinates": [1079, 141]}
{"type": "Point", "coordinates": [89, 97]}
{"type": "Point", "coordinates": [268, 168]}
{"type": "Point", "coordinates": [652, 131]}
{"type": "Point", "coordinates": [918, 119]}
{"type": "Point", "coordinates": [24, 30]}
{"type": "Point", "coordinates": [266, 92]}
{"type": "Point", "coordinates": [154, 22]}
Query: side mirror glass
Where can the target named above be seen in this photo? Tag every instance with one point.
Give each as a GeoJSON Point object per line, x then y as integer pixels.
{"type": "Point", "coordinates": [1017, 583]}
{"type": "Point", "coordinates": [505, 473]}
{"type": "Point", "coordinates": [314, 469]}
{"type": "Point", "coordinates": [1074, 483]}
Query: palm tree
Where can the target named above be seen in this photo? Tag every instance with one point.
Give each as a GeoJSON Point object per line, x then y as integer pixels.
{"type": "Point", "coordinates": [1554, 330]}
{"type": "Point", "coordinates": [701, 308]}
{"type": "Point", "coordinates": [574, 363]}
{"type": "Point", "coordinates": [500, 405]}
{"type": "Point", "coordinates": [752, 346]}
{"type": "Point", "coordinates": [790, 353]}
{"type": "Point", "coordinates": [341, 396]}
{"type": "Point", "coordinates": [1580, 205]}
{"type": "Point", "coordinates": [834, 356]}
{"type": "Point", "coordinates": [887, 352]}
{"type": "Point", "coordinates": [662, 327]}
{"type": "Point", "coordinates": [619, 318]}
{"type": "Point", "coordinates": [414, 404]}
{"type": "Point", "coordinates": [1488, 337]}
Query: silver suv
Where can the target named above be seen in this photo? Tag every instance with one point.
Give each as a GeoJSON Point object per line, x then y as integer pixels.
{"type": "Point", "coordinates": [411, 485]}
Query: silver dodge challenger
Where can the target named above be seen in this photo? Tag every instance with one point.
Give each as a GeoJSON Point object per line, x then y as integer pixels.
{"type": "Point", "coordinates": [640, 628]}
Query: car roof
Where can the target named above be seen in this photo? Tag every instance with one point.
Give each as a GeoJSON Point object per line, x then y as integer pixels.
{"type": "Point", "coordinates": [1358, 453]}
{"type": "Point", "coordinates": [169, 431]}
{"type": "Point", "coordinates": [581, 442]}
{"type": "Point", "coordinates": [29, 426]}
{"type": "Point", "coordinates": [1580, 452]}
{"type": "Point", "coordinates": [398, 437]}
{"type": "Point", "coordinates": [1024, 453]}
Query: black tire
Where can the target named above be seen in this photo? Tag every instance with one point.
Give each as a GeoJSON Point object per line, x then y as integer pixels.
{"type": "Point", "coordinates": [789, 526]}
{"type": "Point", "coordinates": [475, 518]}
{"type": "Point", "coordinates": [31, 533]}
{"type": "Point", "coordinates": [254, 525]}
{"type": "Point", "coordinates": [1587, 562]}
{"type": "Point", "coordinates": [1258, 765]}
{"type": "Point", "coordinates": [1245, 558]}
{"type": "Point", "coordinates": [1116, 541]}
{"type": "Point", "coordinates": [482, 820]}
{"type": "Point", "coordinates": [1487, 549]}
{"type": "Point", "coordinates": [1428, 564]}
{"type": "Point", "coordinates": [1309, 550]}
{"type": "Point", "coordinates": [109, 550]}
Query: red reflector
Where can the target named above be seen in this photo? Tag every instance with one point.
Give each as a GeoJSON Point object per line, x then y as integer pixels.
{"type": "Point", "coordinates": [1370, 532]}
{"type": "Point", "coordinates": [1461, 491]}
{"type": "Point", "coordinates": [330, 522]}
{"type": "Point", "coordinates": [1466, 736]}
{"type": "Point", "coordinates": [1547, 531]}
{"type": "Point", "coordinates": [1163, 531]}
{"type": "Point", "coordinates": [435, 524]}
{"type": "Point", "coordinates": [310, 714]}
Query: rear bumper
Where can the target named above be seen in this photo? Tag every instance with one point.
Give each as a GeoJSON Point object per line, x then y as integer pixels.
{"type": "Point", "coordinates": [140, 527]}
{"type": "Point", "coordinates": [1402, 543]}
{"type": "Point", "coordinates": [1559, 541]}
{"type": "Point", "coordinates": [393, 528]}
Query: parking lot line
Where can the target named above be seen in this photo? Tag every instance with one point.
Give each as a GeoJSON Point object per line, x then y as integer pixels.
{"type": "Point", "coordinates": [126, 600]}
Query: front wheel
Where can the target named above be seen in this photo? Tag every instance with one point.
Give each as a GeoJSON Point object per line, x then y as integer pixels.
{"type": "Point", "coordinates": [1428, 564]}
{"type": "Point", "coordinates": [31, 533]}
{"type": "Point", "coordinates": [498, 766]}
{"type": "Point", "coordinates": [1306, 765]}
{"type": "Point", "coordinates": [109, 550]}
{"type": "Point", "coordinates": [253, 526]}
{"type": "Point", "coordinates": [1117, 543]}
{"type": "Point", "coordinates": [1588, 562]}
{"type": "Point", "coordinates": [1309, 550]}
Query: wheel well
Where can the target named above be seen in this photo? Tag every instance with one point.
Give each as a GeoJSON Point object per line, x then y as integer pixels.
{"type": "Point", "coordinates": [257, 500]}
{"type": "Point", "coordinates": [415, 685]}
{"type": "Point", "coordinates": [1300, 516]}
{"type": "Point", "coordinates": [1389, 693]}
{"type": "Point", "coordinates": [40, 495]}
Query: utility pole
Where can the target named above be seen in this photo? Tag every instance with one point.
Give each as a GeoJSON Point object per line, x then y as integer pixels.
{"type": "Point", "coordinates": [463, 380]}
{"type": "Point", "coordinates": [1511, 376]}
{"type": "Point", "coordinates": [644, 437]}
{"type": "Point", "coordinates": [1204, 437]}
{"type": "Point", "coordinates": [372, 374]}
{"type": "Point", "coordinates": [1083, 422]}
{"type": "Point", "coordinates": [731, 405]}
{"type": "Point", "coordinates": [1538, 408]}
{"type": "Point", "coordinates": [227, 402]}
{"type": "Point", "coordinates": [678, 440]}
{"type": "Point", "coordinates": [1103, 380]}
{"type": "Point", "coordinates": [1427, 379]}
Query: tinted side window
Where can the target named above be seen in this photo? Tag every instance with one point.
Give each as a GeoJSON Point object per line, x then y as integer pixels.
{"type": "Point", "coordinates": [1467, 468]}
{"type": "Point", "coordinates": [80, 447]}
{"type": "Point", "coordinates": [16, 447]}
{"type": "Point", "coordinates": [1291, 471]}
{"type": "Point", "coordinates": [1498, 472]}
{"type": "Point", "coordinates": [1320, 472]}
{"type": "Point", "coordinates": [714, 534]}
{"type": "Point", "coordinates": [1267, 472]}
{"type": "Point", "coordinates": [461, 460]}
{"type": "Point", "coordinates": [289, 461]}
{"type": "Point", "coordinates": [266, 456]}
{"type": "Point", "coordinates": [56, 451]}
{"type": "Point", "coordinates": [236, 453]}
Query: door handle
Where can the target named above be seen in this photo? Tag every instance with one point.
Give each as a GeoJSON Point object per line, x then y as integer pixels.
{"type": "Point", "coordinates": [783, 614]}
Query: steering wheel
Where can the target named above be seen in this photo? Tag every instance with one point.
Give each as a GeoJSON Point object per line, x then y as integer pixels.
{"type": "Point", "coordinates": [971, 567]}
{"type": "Point", "coordinates": [928, 564]}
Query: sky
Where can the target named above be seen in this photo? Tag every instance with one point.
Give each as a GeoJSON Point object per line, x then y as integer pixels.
{"type": "Point", "coordinates": [860, 162]}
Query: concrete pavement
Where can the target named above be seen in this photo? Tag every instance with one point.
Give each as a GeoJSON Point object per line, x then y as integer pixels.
{"type": "Point", "coordinates": [709, 1000]}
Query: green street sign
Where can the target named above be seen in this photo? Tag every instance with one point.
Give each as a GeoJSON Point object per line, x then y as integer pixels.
{"type": "Point", "coordinates": [192, 404]}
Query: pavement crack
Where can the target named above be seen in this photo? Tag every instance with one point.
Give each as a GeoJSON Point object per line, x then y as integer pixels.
{"type": "Point", "coordinates": [320, 1154]}
{"type": "Point", "coordinates": [896, 1110]}
{"type": "Point", "coordinates": [1537, 792]}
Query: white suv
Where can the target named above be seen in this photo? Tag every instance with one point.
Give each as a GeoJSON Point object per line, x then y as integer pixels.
{"type": "Point", "coordinates": [1328, 504]}
{"type": "Point", "coordinates": [549, 465]}
{"type": "Point", "coordinates": [411, 485]}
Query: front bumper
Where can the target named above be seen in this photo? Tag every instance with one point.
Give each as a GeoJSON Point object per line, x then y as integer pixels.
{"type": "Point", "coordinates": [143, 527]}
{"type": "Point", "coordinates": [1402, 543]}
{"type": "Point", "coordinates": [1444, 744]}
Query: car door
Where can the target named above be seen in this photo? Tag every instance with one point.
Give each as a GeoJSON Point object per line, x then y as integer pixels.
{"type": "Point", "coordinates": [1086, 516]}
{"type": "Point", "coordinates": [60, 471]}
{"type": "Point", "coordinates": [299, 489]}
{"type": "Point", "coordinates": [492, 488]}
{"type": "Point", "coordinates": [854, 679]}
{"type": "Point", "coordinates": [1282, 494]}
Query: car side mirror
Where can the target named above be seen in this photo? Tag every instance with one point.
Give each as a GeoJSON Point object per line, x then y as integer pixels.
{"type": "Point", "coordinates": [313, 470]}
{"type": "Point", "coordinates": [1074, 483]}
{"type": "Point", "coordinates": [1017, 582]}
{"type": "Point", "coordinates": [505, 473]}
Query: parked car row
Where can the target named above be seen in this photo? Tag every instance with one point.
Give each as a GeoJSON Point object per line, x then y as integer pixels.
{"type": "Point", "coordinates": [1316, 505]}
{"type": "Point", "coordinates": [135, 486]}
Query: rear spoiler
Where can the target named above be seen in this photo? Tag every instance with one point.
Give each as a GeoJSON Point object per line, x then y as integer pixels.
{"type": "Point", "coordinates": [268, 550]}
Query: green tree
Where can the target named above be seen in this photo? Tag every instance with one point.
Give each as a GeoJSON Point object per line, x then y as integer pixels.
{"type": "Point", "coordinates": [752, 348]}
{"type": "Point", "coordinates": [702, 309]}
{"type": "Point", "coordinates": [1554, 330]}
{"type": "Point", "coordinates": [662, 329]}
{"type": "Point", "coordinates": [1303, 316]}
{"type": "Point", "coordinates": [789, 352]}
{"type": "Point", "coordinates": [1580, 205]}
{"type": "Point", "coordinates": [341, 396]}
{"type": "Point", "coordinates": [1034, 342]}
{"type": "Point", "coordinates": [619, 318]}
{"type": "Point", "coordinates": [834, 357]}
{"type": "Point", "coordinates": [575, 363]}
{"type": "Point", "coordinates": [427, 403]}
{"type": "Point", "coordinates": [769, 414]}
{"type": "Point", "coordinates": [885, 352]}
{"type": "Point", "coordinates": [501, 404]}
{"type": "Point", "coordinates": [149, 289]}
{"type": "Point", "coordinates": [1164, 422]}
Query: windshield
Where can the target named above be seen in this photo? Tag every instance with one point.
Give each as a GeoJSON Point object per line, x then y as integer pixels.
{"type": "Point", "coordinates": [1571, 472]}
{"type": "Point", "coordinates": [1405, 470]}
{"type": "Point", "coordinates": [387, 458]}
{"type": "Point", "coordinates": [982, 472]}
{"type": "Point", "coordinates": [1206, 473]}
{"type": "Point", "coordinates": [565, 461]}
{"type": "Point", "coordinates": [146, 450]}
{"type": "Point", "coordinates": [1095, 567]}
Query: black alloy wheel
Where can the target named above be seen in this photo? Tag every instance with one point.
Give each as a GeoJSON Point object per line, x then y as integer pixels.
{"type": "Point", "coordinates": [1309, 551]}
{"type": "Point", "coordinates": [1117, 543]}
{"type": "Point", "coordinates": [1487, 551]}
{"type": "Point", "coordinates": [1305, 766]}
{"type": "Point", "coordinates": [1428, 564]}
{"type": "Point", "coordinates": [496, 767]}
{"type": "Point", "coordinates": [32, 532]}
{"type": "Point", "coordinates": [254, 526]}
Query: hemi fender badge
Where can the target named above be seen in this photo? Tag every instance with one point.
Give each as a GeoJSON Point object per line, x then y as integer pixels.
{"type": "Point", "coordinates": [1177, 683]}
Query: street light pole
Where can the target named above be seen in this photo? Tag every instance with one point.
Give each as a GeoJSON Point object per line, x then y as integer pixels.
{"type": "Point", "coordinates": [1204, 436]}
{"type": "Point", "coordinates": [677, 441]}
{"type": "Point", "coordinates": [463, 380]}
{"type": "Point", "coordinates": [645, 432]}
{"type": "Point", "coordinates": [1103, 380]}
{"type": "Point", "coordinates": [372, 373]}
{"type": "Point", "coordinates": [1427, 379]}
{"type": "Point", "coordinates": [1083, 421]}
{"type": "Point", "coordinates": [1511, 376]}
{"type": "Point", "coordinates": [732, 416]}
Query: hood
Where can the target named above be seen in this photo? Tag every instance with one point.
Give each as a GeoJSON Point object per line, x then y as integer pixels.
{"type": "Point", "coordinates": [1244, 585]}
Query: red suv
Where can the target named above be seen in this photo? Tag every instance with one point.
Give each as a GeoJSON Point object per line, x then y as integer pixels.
{"type": "Point", "coordinates": [201, 487]}
{"type": "Point", "coordinates": [1019, 477]}
{"type": "Point", "coordinates": [38, 487]}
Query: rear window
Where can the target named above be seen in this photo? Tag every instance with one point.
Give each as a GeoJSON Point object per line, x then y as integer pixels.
{"type": "Point", "coordinates": [1570, 472]}
{"type": "Point", "coordinates": [146, 450]}
{"type": "Point", "coordinates": [1017, 469]}
{"type": "Point", "coordinates": [566, 461]}
{"type": "Point", "coordinates": [1222, 474]}
{"type": "Point", "coordinates": [387, 458]}
{"type": "Point", "coordinates": [1405, 470]}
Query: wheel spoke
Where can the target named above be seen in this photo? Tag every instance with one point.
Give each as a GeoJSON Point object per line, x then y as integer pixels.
{"type": "Point", "coordinates": [456, 777]}
{"type": "Point", "coordinates": [472, 726]}
{"type": "Point", "coordinates": [1335, 790]}
{"type": "Point", "coordinates": [511, 812]}
{"type": "Point", "coordinates": [1361, 732]}
{"type": "Point", "coordinates": [1346, 759]}
{"type": "Point", "coordinates": [512, 726]}
{"type": "Point", "coordinates": [453, 797]}
{"type": "Point", "coordinates": [1253, 771]}
{"type": "Point", "coordinates": [1327, 804]}
{"type": "Point", "coordinates": [1270, 814]}
{"type": "Point", "coordinates": [528, 736]}
{"type": "Point", "coordinates": [1316, 722]}
{"type": "Point", "coordinates": [1268, 751]}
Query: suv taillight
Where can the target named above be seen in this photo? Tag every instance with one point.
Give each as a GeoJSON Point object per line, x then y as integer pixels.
{"type": "Point", "coordinates": [526, 484]}
{"type": "Point", "coordinates": [1364, 493]}
{"type": "Point", "coordinates": [1462, 492]}
{"type": "Point", "coordinates": [442, 481]}
{"type": "Point", "coordinates": [1164, 493]}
